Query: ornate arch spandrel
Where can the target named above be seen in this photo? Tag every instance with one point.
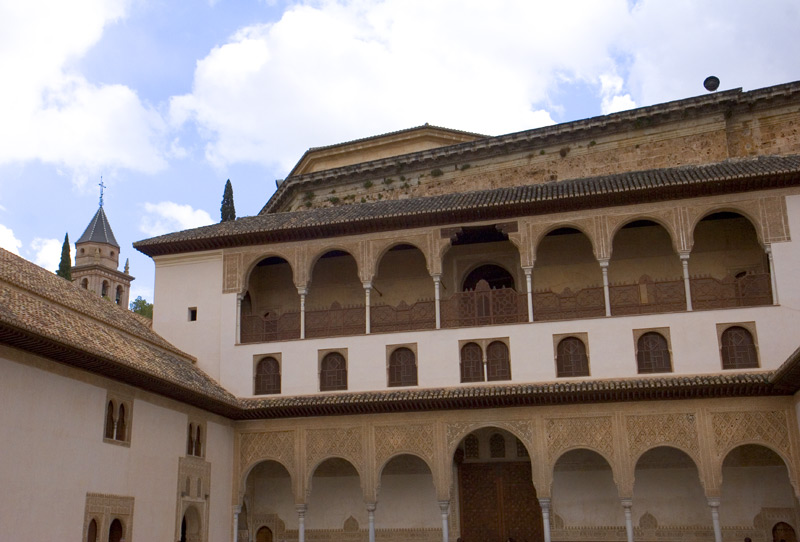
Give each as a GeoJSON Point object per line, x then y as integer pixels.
{"type": "Point", "coordinates": [749, 209]}
{"type": "Point", "coordinates": [254, 448]}
{"type": "Point", "coordinates": [237, 266]}
{"type": "Point", "coordinates": [675, 430]}
{"type": "Point", "coordinates": [594, 433]}
{"type": "Point", "coordinates": [314, 251]}
{"type": "Point", "coordinates": [768, 428]}
{"type": "Point", "coordinates": [347, 443]}
{"type": "Point", "coordinates": [666, 218]}
{"type": "Point", "coordinates": [418, 440]}
{"type": "Point", "coordinates": [592, 227]}
{"type": "Point", "coordinates": [379, 247]}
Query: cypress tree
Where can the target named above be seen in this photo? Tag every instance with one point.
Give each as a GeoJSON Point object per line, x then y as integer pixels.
{"type": "Point", "coordinates": [227, 210]}
{"type": "Point", "coordinates": [65, 266]}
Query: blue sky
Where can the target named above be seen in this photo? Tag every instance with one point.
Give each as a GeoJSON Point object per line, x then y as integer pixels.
{"type": "Point", "coordinates": [166, 99]}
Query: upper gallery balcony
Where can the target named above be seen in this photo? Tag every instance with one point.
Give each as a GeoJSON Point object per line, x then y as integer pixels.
{"type": "Point", "coordinates": [479, 279]}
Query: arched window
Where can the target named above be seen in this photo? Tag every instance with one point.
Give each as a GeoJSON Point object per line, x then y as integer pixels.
{"type": "Point", "coordinates": [333, 372]}
{"type": "Point", "coordinates": [104, 290]}
{"type": "Point", "coordinates": [471, 363]}
{"type": "Point", "coordinates": [85, 284]}
{"type": "Point", "coordinates": [91, 532]}
{"type": "Point", "coordinates": [190, 440]}
{"type": "Point", "coordinates": [497, 446]}
{"type": "Point", "coordinates": [571, 359]}
{"type": "Point", "coordinates": [109, 433]}
{"type": "Point", "coordinates": [120, 434]}
{"type": "Point", "coordinates": [738, 349]}
{"type": "Point", "coordinates": [402, 367]}
{"type": "Point", "coordinates": [471, 450]}
{"type": "Point", "coordinates": [198, 442]}
{"type": "Point", "coordinates": [118, 298]}
{"type": "Point", "coordinates": [268, 376]}
{"type": "Point", "coordinates": [115, 531]}
{"type": "Point", "coordinates": [652, 354]}
{"type": "Point", "coordinates": [498, 365]}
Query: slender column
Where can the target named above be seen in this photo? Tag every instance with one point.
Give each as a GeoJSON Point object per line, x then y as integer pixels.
{"type": "Point", "coordinates": [768, 249]}
{"type": "Point", "coordinates": [529, 283]}
{"type": "Point", "coordinates": [606, 294]}
{"type": "Point", "coordinates": [367, 290]}
{"type": "Point", "coordinates": [444, 506]}
{"type": "Point", "coordinates": [627, 504]}
{"type": "Point", "coordinates": [301, 522]}
{"type": "Point", "coordinates": [714, 505]}
{"type": "Point", "coordinates": [236, 510]}
{"type": "Point", "coordinates": [687, 285]}
{"type": "Point", "coordinates": [437, 292]}
{"type": "Point", "coordinates": [545, 504]}
{"type": "Point", "coordinates": [371, 512]}
{"type": "Point", "coordinates": [302, 292]}
{"type": "Point", "coordinates": [238, 318]}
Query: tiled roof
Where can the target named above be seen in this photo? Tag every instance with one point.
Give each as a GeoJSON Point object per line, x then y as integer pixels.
{"type": "Point", "coordinates": [720, 102]}
{"type": "Point", "coordinates": [507, 395]}
{"type": "Point", "coordinates": [98, 230]}
{"type": "Point", "coordinates": [557, 196]}
{"type": "Point", "coordinates": [46, 314]}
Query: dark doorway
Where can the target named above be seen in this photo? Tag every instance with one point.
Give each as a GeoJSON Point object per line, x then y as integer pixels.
{"type": "Point", "coordinates": [498, 502]}
{"type": "Point", "coordinates": [496, 276]}
{"type": "Point", "coordinates": [783, 532]}
{"type": "Point", "coordinates": [264, 535]}
{"type": "Point", "coordinates": [115, 531]}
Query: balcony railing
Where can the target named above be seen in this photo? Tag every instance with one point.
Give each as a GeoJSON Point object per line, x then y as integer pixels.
{"type": "Point", "coordinates": [485, 306]}
{"type": "Point", "coordinates": [403, 317]}
{"type": "Point", "coordinates": [648, 296]}
{"type": "Point", "coordinates": [569, 305]}
{"type": "Point", "coordinates": [336, 321]}
{"type": "Point", "coordinates": [747, 291]}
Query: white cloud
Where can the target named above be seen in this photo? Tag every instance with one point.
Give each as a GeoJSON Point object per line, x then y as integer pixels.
{"type": "Point", "coordinates": [331, 71]}
{"type": "Point", "coordinates": [613, 99]}
{"type": "Point", "coordinates": [167, 216]}
{"type": "Point", "coordinates": [8, 241]}
{"type": "Point", "coordinates": [53, 114]}
{"type": "Point", "coordinates": [47, 253]}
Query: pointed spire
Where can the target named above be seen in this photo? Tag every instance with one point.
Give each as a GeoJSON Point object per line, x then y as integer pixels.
{"type": "Point", "coordinates": [98, 230]}
{"type": "Point", "coordinates": [127, 266]}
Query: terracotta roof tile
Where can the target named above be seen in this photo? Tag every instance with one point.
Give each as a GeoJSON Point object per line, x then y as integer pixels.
{"type": "Point", "coordinates": [474, 205]}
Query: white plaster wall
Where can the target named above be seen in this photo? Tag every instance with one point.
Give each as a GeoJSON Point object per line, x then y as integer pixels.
{"type": "Point", "coordinates": [695, 349]}
{"type": "Point", "coordinates": [273, 496]}
{"type": "Point", "coordinates": [673, 496]}
{"type": "Point", "coordinates": [219, 452]}
{"type": "Point", "coordinates": [184, 281]}
{"type": "Point", "coordinates": [407, 501]}
{"type": "Point", "coordinates": [333, 500]}
{"type": "Point", "coordinates": [746, 490]}
{"type": "Point", "coordinates": [787, 258]}
{"type": "Point", "coordinates": [587, 498]}
{"type": "Point", "coordinates": [51, 430]}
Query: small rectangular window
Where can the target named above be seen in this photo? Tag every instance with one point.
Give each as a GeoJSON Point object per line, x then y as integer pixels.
{"type": "Point", "coordinates": [192, 314]}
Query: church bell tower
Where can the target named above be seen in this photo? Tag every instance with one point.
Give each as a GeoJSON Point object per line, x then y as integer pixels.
{"type": "Point", "coordinates": [97, 260]}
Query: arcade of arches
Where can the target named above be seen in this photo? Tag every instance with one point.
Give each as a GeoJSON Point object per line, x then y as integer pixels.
{"type": "Point", "coordinates": [702, 469]}
{"type": "Point", "coordinates": [665, 260]}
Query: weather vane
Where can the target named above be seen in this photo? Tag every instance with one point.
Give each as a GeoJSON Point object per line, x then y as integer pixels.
{"type": "Point", "coordinates": [102, 186]}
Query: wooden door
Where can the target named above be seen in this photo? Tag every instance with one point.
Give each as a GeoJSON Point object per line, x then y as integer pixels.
{"type": "Point", "coordinates": [498, 502]}
{"type": "Point", "coordinates": [264, 535]}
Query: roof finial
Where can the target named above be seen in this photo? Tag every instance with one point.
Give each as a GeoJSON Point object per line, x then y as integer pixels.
{"type": "Point", "coordinates": [102, 186]}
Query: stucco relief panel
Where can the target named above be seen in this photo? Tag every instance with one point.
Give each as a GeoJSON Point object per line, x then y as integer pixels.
{"type": "Point", "coordinates": [336, 442]}
{"type": "Point", "coordinates": [277, 445]}
{"type": "Point", "coordinates": [232, 273]}
{"type": "Point", "coordinates": [733, 428]}
{"type": "Point", "coordinates": [523, 429]}
{"type": "Point", "coordinates": [648, 431]}
{"type": "Point", "coordinates": [390, 440]}
{"type": "Point", "coordinates": [594, 433]}
{"type": "Point", "coordinates": [775, 219]}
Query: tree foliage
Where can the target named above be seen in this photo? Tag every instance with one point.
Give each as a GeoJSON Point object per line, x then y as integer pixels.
{"type": "Point", "coordinates": [141, 306]}
{"type": "Point", "coordinates": [65, 266]}
{"type": "Point", "coordinates": [227, 210]}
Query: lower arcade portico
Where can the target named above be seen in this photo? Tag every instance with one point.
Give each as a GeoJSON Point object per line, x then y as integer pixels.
{"type": "Point", "coordinates": [716, 469]}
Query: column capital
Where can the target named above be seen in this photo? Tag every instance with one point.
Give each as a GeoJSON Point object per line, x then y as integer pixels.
{"type": "Point", "coordinates": [444, 506]}
{"type": "Point", "coordinates": [302, 290]}
{"type": "Point", "coordinates": [301, 509]}
{"type": "Point", "coordinates": [436, 276]}
{"type": "Point", "coordinates": [713, 502]}
{"type": "Point", "coordinates": [367, 284]}
{"type": "Point", "coordinates": [626, 503]}
{"type": "Point", "coordinates": [604, 262]}
{"type": "Point", "coordinates": [544, 502]}
{"type": "Point", "coordinates": [371, 506]}
{"type": "Point", "coordinates": [768, 248]}
{"type": "Point", "coordinates": [237, 509]}
{"type": "Point", "coordinates": [684, 255]}
{"type": "Point", "coordinates": [528, 269]}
